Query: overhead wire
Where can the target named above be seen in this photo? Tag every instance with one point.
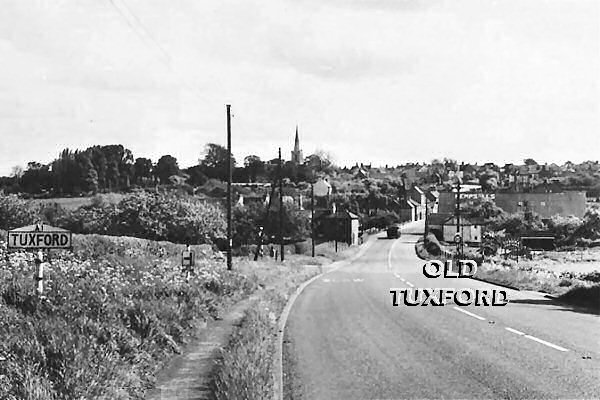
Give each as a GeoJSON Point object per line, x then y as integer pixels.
{"type": "Point", "coordinates": [138, 27]}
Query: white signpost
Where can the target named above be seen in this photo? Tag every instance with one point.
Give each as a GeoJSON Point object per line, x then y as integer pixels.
{"type": "Point", "coordinates": [187, 261]}
{"type": "Point", "coordinates": [36, 237]}
{"type": "Point", "coordinates": [39, 237]}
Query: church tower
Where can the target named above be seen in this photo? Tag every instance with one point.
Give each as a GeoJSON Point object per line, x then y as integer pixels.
{"type": "Point", "coordinates": [297, 153]}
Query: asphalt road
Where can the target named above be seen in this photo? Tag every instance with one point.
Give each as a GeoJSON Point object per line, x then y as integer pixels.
{"type": "Point", "coordinates": [345, 340]}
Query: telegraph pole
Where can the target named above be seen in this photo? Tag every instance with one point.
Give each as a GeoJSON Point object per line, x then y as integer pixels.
{"type": "Point", "coordinates": [281, 205]}
{"type": "Point", "coordinates": [229, 178]}
{"type": "Point", "coordinates": [458, 233]}
{"type": "Point", "coordinates": [312, 217]}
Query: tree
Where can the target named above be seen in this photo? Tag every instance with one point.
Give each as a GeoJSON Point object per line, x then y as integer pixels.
{"type": "Point", "coordinates": [89, 175]}
{"type": "Point", "coordinates": [254, 167]}
{"type": "Point", "coordinates": [16, 172]}
{"type": "Point", "coordinates": [36, 178]}
{"type": "Point", "coordinates": [166, 167]}
{"type": "Point", "coordinates": [196, 176]}
{"type": "Point", "coordinates": [530, 161]}
{"type": "Point", "coordinates": [142, 170]}
{"type": "Point", "coordinates": [489, 181]}
{"type": "Point", "coordinates": [215, 161]}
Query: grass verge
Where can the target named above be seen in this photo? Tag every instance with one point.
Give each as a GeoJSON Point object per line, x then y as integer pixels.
{"type": "Point", "coordinates": [113, 314]}
{"type": "Point", "coordinates": [245, 369]}
{"type": "Point", "coordinates": [569, 290]}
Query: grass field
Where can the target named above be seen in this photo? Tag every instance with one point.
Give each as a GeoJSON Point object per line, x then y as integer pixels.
{"type": "Point", "coordinates": [72, 203]}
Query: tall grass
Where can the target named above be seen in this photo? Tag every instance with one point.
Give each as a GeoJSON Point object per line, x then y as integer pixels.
{"type": "Point", "coordinates": [113, 314]}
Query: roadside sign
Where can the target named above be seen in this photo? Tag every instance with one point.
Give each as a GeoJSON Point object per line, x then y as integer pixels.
{"type": "Point", "coordinates": [39, 236]}
{"type": "Point", "coordinates": [457, 238]}
{"type": "Point", "coordinates": [187, 258]}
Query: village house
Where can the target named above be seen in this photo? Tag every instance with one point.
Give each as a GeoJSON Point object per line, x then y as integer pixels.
{"type": "Point", "coordinates": [470, 230]}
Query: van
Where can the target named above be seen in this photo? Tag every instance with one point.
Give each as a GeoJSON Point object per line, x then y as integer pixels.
{"type": "Point", "coordinates": [393, 232]}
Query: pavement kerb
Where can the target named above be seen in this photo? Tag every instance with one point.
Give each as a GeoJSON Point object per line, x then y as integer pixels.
{"type": "Point", "coordinates": [278, 359]}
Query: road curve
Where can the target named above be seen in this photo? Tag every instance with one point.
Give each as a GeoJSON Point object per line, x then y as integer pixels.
{"type": "Point", "coordinates": [345, 340]}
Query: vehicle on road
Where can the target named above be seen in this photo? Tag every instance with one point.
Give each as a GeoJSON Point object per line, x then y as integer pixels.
{"type": "Point", "coordinates": [393, 232]}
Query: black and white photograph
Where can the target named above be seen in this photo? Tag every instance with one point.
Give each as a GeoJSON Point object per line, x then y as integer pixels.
{"type": "Point", "coordinates": [299, 199]}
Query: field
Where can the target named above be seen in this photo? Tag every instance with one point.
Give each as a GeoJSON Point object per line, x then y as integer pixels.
{"type": "Point", "coordinates": [72, 203]}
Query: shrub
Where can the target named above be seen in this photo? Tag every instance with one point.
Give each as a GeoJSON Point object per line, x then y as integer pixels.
{"type": "Point", "coordinates": [432, 245]}
{"type": "Point", "coordinates": [155, 216]}
{"type": "Point", "coordinates": [15, 212]}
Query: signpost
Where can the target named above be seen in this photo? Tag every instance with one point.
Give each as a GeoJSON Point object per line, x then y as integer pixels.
{"type": "Point", "coordinates": [457, 238]}
{"type": "Point", "coordinates": [34, 237]}
{"type": "Point", "coordinates": [188, 258]}
{"type": "Point", "coordinates": [39, 237]}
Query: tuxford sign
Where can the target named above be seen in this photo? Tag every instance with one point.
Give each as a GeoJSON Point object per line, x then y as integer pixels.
{"type": "Point", "coordinates": [39, 236]}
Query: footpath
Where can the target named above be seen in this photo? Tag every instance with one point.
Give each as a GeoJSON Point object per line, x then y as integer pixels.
{"type": "Point", "coordinates": [188, 375]}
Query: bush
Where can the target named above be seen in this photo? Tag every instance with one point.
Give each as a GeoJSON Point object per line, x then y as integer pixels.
{"type": "Point", "coordinates": [154, 216]}
{"type": "Point", "coordinates": [565, 229]}
{"type": "Point", "coordinates": [15, 212]}
{"type": "Point", "coordinates": [432, 245]}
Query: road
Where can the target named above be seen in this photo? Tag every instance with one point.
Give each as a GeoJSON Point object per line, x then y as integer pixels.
{"type": "Point", "coordinates": [345, 340]}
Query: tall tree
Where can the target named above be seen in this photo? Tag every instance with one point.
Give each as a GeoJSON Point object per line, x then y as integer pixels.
{"type": "Point", "coordinates": [166, 167]}
{"type": "Point", "coordinates": [254, 167]}
{"type": "Point", "coordinates": [142, 170]}
{"type": "Point", "coordinates": [215, 161]}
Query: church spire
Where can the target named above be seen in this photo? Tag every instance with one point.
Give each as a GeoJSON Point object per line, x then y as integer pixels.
{"type": "Point", "coordinates": [297, 153]}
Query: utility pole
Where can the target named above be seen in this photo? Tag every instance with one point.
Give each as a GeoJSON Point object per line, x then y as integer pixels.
{"type": "Point", "coordinates": [312, 217]}
{"type": "Point", "coordinates": [281, 205]}
{"type": "Point", "coordinates": [426, 215]}
{"type": "Point", "coordinates": [229, 178]}
{"type": "Point", "coordinates": [458, 233]}
{"type": "Point", "coordinates": [266, 221]}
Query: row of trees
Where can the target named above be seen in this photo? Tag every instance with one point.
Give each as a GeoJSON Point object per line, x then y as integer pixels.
{"type": "Point", "coordinates": [113, 168]}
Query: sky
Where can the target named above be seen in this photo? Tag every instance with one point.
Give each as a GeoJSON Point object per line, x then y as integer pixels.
{"type": "Point", "coordinates": [373, 81]}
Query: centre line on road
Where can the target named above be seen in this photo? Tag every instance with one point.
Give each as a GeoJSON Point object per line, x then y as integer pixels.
{"type": "Point", "coordinates": [514, 331]}
{"type": "Point", "coordinates": [410, 284]}
{"type": "Point", "coordinates": [389, 260]}
{"type": "Point", "coordinates": [546, 343]}
{"type": "Point", "coordinates": [469, 313]}
{"type": "Point", "coordinates": [403, 280]}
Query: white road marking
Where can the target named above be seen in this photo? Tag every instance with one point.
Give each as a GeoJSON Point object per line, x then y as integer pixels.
{"type": "Point", "coordinates": [403, 280]}
{"type": "Point", "coordinates": [410, 284]}
{"type": "Point", "coordinates": [397, 275]}
{"type": "Point", "coordinates": [389, 260]}
{"type": "Point", "coordinates": [546, 343]}
{"type": "Point", "coordinates": [469, 313]}
{"type": "Point", "coordinates": [325, 280]}
{"type": "Point", "coordinates": [357, 280]}
{"type": "Point", "coordinates": [514, 331]}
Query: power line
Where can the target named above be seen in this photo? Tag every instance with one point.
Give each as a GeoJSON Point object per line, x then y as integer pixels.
{"type": "Point", "coordinates": [145, 35]}
{"type": "Point", "coordinates": [140, 30]}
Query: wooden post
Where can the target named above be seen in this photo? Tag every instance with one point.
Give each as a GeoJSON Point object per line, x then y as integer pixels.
{"type": "Point", "coordinates": [39, 274]}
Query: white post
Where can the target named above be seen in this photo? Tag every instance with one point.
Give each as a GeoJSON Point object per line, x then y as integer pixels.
{"type": "Point", "coordinates": [40, 273]}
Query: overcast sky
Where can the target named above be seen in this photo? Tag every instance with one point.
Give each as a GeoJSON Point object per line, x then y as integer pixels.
{"type": "Point", "coordinates": [381, 81]}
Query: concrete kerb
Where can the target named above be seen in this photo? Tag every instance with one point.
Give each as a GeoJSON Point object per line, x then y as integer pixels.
{"type": "Point", "coordinates": [278, 359]}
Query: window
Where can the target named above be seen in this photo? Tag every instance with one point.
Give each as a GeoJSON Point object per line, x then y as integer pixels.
{"type": "Point", "coordinates": [543, 203]}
